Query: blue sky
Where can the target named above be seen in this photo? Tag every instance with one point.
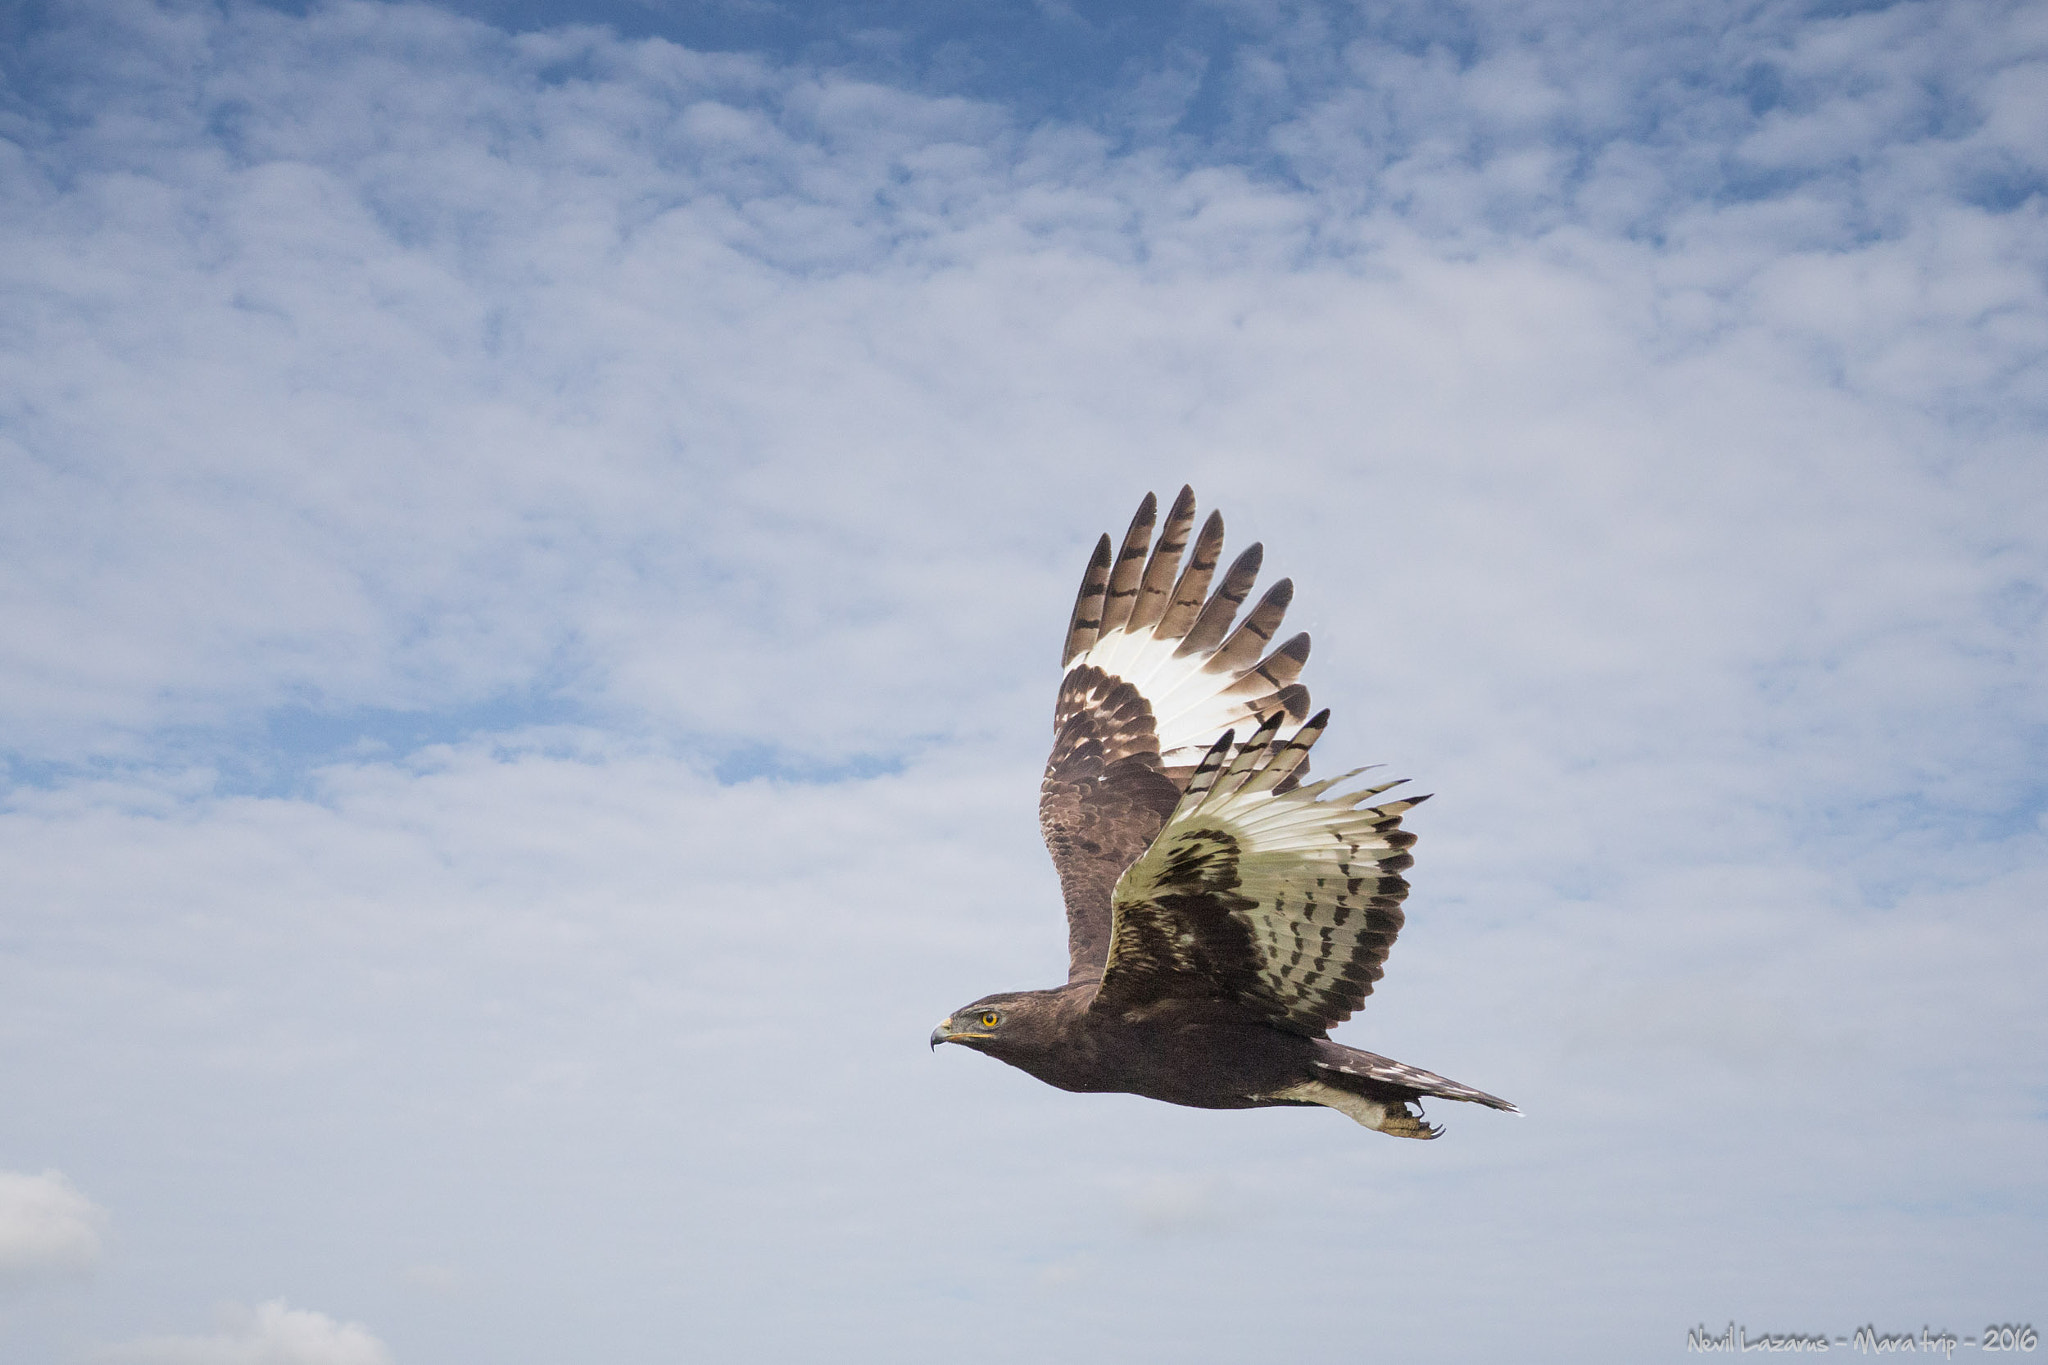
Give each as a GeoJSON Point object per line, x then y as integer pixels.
{"type": "Point", "coordinates": [535, 544]}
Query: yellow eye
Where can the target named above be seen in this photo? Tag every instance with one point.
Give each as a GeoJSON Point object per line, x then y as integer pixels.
{"type": "Point", "coordinates": [989, 1020]}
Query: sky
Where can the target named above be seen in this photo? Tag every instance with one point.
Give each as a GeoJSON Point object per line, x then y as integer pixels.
{"type": "Point", "coordinates": [534, 543]}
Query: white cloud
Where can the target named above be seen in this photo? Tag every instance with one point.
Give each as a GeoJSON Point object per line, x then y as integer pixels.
{"type": "Point", "coordinates": [269, 1334]}
{"type": "Point", "coordinates": [46, 1226]}
{"type": "Point", "coordinates": [535, 377]}
{"type": "Point", "coordinates": [1656, 456]}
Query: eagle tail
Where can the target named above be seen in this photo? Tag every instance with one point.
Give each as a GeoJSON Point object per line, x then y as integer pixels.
{"type": "Point", "coordinates": [1384, 1079]}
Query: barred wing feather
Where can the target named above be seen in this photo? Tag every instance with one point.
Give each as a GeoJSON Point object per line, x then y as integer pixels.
{"type": "Point", "coordinates": [1262, 898]}
{"type": "Point", "coordinates": [1158, 665]}
{"type": "Point", "coordinates": [1145, 618]}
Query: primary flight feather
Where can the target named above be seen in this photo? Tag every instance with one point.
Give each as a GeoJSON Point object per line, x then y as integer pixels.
{"type": "Point", "coordinates": [1222, 917]}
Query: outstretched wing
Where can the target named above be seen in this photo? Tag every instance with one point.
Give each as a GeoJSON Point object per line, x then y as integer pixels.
{"type": "Point", "coordinates": [1157, 667]}
{"type": "Point", "coordinates": [1258, 900]}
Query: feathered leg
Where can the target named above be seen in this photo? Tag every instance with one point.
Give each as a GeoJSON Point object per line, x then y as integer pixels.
{"type": "Point", "coordinates": [1379, 1092]}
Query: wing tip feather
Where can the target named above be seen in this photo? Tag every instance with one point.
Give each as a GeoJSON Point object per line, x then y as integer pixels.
{"type": "Point", "coordinates": [1082, 628]}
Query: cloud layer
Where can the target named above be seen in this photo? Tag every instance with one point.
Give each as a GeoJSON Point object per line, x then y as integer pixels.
{"type": "Point", "coordinates": [46, 1226]}
{"type": "Point", "coordinates": [532, 567]}
{"type": "Point", "coordinates": [270, 1334]}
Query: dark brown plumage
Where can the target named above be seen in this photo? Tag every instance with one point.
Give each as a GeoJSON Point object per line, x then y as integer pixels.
{"type": "Point", "coordinates": [1222, 917]}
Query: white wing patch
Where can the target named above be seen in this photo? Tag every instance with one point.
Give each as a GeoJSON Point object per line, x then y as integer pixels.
{"type": "Point", "coordinates": [1145, 618]}
{"type": "Point", "coordinates": [1312, 880]}
{"type": "Point", "coordinates": [1192, 702]}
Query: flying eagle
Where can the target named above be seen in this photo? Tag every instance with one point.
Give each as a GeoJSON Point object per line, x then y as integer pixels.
{"type": "Point", "coordinates": [1221, 916]}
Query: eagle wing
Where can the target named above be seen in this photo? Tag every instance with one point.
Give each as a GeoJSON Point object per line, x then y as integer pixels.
{"type": "Point", "coordinates": [1157, 667]}
{"type": "Point", "coordinates": [1259, 900]}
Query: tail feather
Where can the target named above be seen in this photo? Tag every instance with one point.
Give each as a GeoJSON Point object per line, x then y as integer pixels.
{"type": "Point", "coordinates": [1369, 1074]}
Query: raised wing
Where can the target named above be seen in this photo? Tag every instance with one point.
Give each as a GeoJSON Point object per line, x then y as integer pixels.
{"type": "Point", "coordinates": [1258, 900]}
{"type": "Point", "coordinates": [1157, 667]}
{"type": "Point", "coordinates": [1143, 617]}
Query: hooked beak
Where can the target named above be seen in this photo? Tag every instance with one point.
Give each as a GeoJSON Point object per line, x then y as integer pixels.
{"type": "Point", "coordinates": [946, 1033]}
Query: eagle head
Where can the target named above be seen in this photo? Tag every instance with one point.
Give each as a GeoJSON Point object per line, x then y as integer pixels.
{"type": "Point", "coordinates": [994, 1023]}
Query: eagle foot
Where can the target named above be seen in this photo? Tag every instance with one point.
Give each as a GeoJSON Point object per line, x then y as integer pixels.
{"type": "Point", "coordinates": [1403, 1123]}
{"type": "Point", "coordinates": [1396, 1118]}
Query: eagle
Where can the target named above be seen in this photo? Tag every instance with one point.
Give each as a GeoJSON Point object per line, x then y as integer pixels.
{"type": "Point", "coordinates": [1222, 915]}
